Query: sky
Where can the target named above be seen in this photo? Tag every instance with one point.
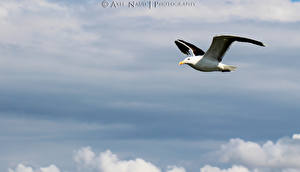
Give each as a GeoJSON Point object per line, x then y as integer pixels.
{"type": "Point", "coordinates": [89, 88]}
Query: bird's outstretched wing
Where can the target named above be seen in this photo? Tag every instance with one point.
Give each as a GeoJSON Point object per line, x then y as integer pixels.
{"type": "Point", "coordinates": [188, 48]}
{"type": "Point", "coordinates": [220, 45]}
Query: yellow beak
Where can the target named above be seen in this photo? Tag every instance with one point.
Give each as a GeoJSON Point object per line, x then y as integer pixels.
{"type": "Point", "coordinates": [181, 63]}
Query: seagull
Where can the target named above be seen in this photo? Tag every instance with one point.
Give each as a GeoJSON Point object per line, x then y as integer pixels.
{"type": "Point", "coordinates": [211, 59]}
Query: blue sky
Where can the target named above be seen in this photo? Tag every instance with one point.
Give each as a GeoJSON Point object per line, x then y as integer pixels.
{"type": "Point", "coordinates": [78, 79]}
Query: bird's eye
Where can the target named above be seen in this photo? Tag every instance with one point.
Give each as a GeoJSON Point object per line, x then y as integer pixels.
{"type": "Point", "coordinates": [188, 58]}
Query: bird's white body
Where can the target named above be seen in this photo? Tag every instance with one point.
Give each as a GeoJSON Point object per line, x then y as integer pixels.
{"type": "Point", "coordinates": [205, 64]}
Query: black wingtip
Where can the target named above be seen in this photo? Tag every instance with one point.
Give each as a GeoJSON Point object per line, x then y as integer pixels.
{"type": "Point", "coordinates": [261, 44]}
{"type": "Point", "coordinates": [240, 39]}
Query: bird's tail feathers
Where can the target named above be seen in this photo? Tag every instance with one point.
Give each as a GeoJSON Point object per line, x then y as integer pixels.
{"type": "Point", "coordinates": [228, 68]}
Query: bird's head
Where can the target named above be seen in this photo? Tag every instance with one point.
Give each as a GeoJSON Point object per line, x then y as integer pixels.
{"type": "Point", "coordinates": [189, 61]}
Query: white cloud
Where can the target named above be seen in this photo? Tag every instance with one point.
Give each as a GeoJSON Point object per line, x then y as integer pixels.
{"type": "Point", "coordinates": [51, 168]}
{"type": "Point", "coordinates": [175, 169]}
{"type": "Point", "coordinates": [234, 168]}
{"type": "Point", "coordinates": [285, 153]}
{"type": "Point", "coordinates": [296, 136]}
{"type": "Point", "coordinates": [23, 168]}
{"type": "Point", "coordinates": [108, 162]}
{"type": "Point", "coordinates": [239, 150]}
{"type": "Point", "coordinates": [281, 156]}
{"type": "Point", "coordinates": [84, 156]}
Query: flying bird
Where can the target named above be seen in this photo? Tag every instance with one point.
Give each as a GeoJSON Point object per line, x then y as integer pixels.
{"type": "Point", "coordinates": [211, 59]}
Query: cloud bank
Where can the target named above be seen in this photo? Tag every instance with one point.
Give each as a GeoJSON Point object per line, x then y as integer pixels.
{"type": "Point", "coordinates": [234, 168]}
{"type": "Point", "coordinates": [244, 156]}
{"type": "Point", "coordinates": [86, 160]}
